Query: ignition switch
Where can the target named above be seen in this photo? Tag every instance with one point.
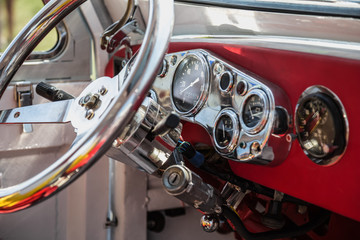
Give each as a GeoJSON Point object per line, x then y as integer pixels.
{"type": "Point", "coordinates": [181, 182]}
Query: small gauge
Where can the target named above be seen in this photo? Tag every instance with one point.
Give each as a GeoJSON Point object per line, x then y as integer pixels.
{"type": "Point", "coordinates": [226, 130]}
{"type": "Point", "coordinates": [255, 111]}
{"type": "Point", "coordinates": [320, 127]}
{"type": "Point", "coordinates": [190, 84]}
{"type": "Point", "coordinates": [226, 81]}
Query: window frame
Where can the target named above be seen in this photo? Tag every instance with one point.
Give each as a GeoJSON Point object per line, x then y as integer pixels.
{"type": "Point", "coordinates": [319, 8]}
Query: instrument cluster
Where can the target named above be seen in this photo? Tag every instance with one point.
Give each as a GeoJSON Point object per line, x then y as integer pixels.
{"type": "Point", "coordinates": [246, 117]}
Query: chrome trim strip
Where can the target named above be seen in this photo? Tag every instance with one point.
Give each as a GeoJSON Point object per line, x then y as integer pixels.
{"type": "Point", "coordinates": [350, 50]}
{"type": "Point", "coordinates": [94, 143]}
{"type": "Point", "coordinates": [333, 36]}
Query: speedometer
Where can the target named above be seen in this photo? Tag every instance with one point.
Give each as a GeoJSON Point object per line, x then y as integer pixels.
{"type": "Point", "coordinates": [190, 84]}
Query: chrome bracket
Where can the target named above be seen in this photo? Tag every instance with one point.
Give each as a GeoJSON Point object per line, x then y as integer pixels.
{"type": "Point", "coordinates": [117, 35]}
{"type": "Point", "coordinates": [24, 94]}
{"type": "Point", "coordinates": [233, 195]}
{"type": "Point", "coordinates": [278, 196]}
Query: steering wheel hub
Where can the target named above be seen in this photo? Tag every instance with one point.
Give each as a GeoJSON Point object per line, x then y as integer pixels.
{"type": "Point", "coordinates": [91, 105]}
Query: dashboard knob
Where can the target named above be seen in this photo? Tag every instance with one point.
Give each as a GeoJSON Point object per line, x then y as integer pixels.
{"type": "Point", "coordinates": [52, 93]}
{"type": "Point", "coordinates": [209, 222]}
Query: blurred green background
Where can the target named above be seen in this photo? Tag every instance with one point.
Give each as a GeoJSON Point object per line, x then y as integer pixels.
{"type": "Point", "coordinates": [22, 12]}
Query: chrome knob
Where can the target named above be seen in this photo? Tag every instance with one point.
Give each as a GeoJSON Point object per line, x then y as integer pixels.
{"type": "Point", "coordinates": [209, 223]}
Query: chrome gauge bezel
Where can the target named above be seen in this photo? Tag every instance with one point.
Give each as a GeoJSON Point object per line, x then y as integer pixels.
{"type": "Point", "coordinates": [203, 96]}
{"type": "Point", "coordinates": [311, 91]}
{"type": "Point", "coordinates": [231, 82]}
{"type": "Point", "coordinates": [263, 120]}
{"type": "Point", "coordinates": [236, 131]}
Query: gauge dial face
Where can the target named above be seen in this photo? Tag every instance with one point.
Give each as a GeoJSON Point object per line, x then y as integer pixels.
{"type": "Point", "coordinates": [189, 84]}
{"type": "Point", "coordinates": [320, 127]}
{"type": "Point", "coordinates": [224, 131]}
{"type": "Point", "coordinates": [254, 112]}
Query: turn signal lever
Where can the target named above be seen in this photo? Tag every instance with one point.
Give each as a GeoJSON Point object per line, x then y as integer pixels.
{"type": "Point", "coordinates": [164, 126]}
{"type": "Point", "coordinates": [51, 93]}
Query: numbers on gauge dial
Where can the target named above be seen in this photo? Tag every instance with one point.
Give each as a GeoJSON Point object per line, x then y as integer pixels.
{"type": "Point", "coordinates": [189, 84]}
{"type": "Point", "coordinates": [224, 131]}
{"type": "Point", "coordinates": [253, 111]}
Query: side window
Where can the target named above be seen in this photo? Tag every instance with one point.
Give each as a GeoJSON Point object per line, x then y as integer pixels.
{"type": "Point", "coordinates": [14, 15]}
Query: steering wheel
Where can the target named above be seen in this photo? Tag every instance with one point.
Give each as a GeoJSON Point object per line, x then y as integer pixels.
{"type": "Point", "coordinates": [99, 114]}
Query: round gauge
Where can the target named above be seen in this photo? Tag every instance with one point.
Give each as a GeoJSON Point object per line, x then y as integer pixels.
{"type": "Point", "coordinates": [320, 127]}
{"type": "Point", "coordinates": [226, 131]}
{"type": "Point", "coordinates": [255, 111]}
{"type": "Point", "coordinates": [190, 84]}
{"type": "Point", "coordinates": [226, 81]}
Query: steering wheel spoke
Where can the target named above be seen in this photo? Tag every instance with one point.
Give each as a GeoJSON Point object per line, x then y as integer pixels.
{"type": "Point", "coordinates": [53, 112]}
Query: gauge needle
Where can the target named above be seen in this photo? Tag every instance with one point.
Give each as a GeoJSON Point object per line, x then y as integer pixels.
{"type": "Point", "coordinates": [223, 127]}
{"type": "Point", "coordinates": [252, 115]}
{"type": "Point", "coordinates": [314, 122]}
{"type": "Point", "coordinates": [191, 84]}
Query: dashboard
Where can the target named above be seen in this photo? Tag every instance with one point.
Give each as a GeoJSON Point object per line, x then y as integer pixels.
{"type": "Point", "coordinates": [244, 115]}
{"type": "Point", "coordinates": [290, 81]}
{"type": "Point", "coordinates": [248, 118]}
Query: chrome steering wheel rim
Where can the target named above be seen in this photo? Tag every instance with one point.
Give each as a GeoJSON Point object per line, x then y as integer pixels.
{"type": "Point", "coordinates": [94, 143]}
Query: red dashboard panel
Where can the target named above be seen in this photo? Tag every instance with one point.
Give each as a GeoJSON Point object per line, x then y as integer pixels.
{"type": "Point", "coordinates": [333, 187]}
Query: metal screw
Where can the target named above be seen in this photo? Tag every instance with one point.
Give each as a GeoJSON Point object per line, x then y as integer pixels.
{"type": "Point", "coordinates": [103, 91]}
{"type": "Point", "coordinates": [123, 63]}
{"type": "Point", "coordinates": [81, 101]}
{"type": "Point", "coordinates": [173, 60]}
{"type": "Point", "coordinates": [90, 101]}
{"type": "Point", "coordinates": [302, 209]}
{"type": "Point", "coordinates": [174, 179]}
{"type": "Point", "coordinates": [89, 114]}
{"type": "Point", "coordinates": [87, 98]}
{"type": "Point", "coordinates": [218, 209]}
{"type": "Point", "coordinates": [218, 68]}
{"type": "Point", "coordinates": [290, 137]}
{"type": "Point", "coordinates": [255, 148]}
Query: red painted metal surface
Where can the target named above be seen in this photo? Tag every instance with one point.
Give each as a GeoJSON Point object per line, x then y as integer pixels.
{"type": "Point", "coordinates": [333, 187]}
